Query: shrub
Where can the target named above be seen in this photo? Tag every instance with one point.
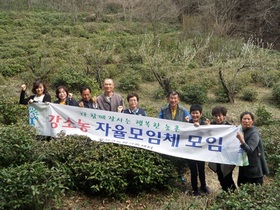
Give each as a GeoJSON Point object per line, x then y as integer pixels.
{"type": "Point", "coordinates": [112, 170]}
{"type": "Point", "coordinates": [271, 141]}
{"type": "Point", "coordinates": [74, 79]}
{"type": "Point", "coordinates": [266, 78]}
{"type": "Point", "coordinates": [194, 94]}
{"type": "Point", "coordinates": [249, 95]}
{"type": "Point", "coordinates": [159, 93]}
{"type": "Point", "coordinates": [106, 169]}
{"type": "Point", "coordinates": [276, 93]}
{"type": "Point", "coordinates": [220, 95]}
{"type": "Point", "coordinates": [62, 150]}
{"type": "Point", "coordinates": [11, 112]}
{"type": "Point", "coordinates": [46, 29]}
{"type": "Point", "coordinates": [263, 116]}
{"type": "Point", "coordinates": [150, 110]}
{"type": "Point", "coordinates": [17, 144]}
{"type": "Point", "coordinates": [129, 82]}
{"type": "Point", "coordinates": [146, 74]}
{"type": "Point", "coordinates": [30, 186]}
{"type": "Point", "coordinates": [13, 66]}
{"type": "Point", "coordinates": [251, 197]}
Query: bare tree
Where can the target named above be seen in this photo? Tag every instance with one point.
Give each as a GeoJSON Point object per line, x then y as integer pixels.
{"type": "Point", "coordinates": [156, 11]}
{"type": "Point", "coordinates": [96, 59]}
{"type": "Point", "coordinates": [168, 65]}
{"type": "Point", "coordinates": [128, 7]}
{"type": "Point", "coordinates": [230, 87]}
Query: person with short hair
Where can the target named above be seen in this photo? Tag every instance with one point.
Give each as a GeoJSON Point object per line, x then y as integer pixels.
{"type": "Point", "coordinates": [174, 111]}
{"type": "Point", "coordinates": [197, 168]}
{"type": "Point", "coordinates": [251, 142]}
{"type": "Point", "coordinates": [133, 100]}
{"type": "Point", "coordinates": [64, 97]}
{"type": "Point", "coordinates": [87, 101]}
{"type": "Point", "coordinates": [109, 100]}
{"type": "Point", "coordinates": [40, 92]}
{"type": "Point", "coordinates": [224, 171]}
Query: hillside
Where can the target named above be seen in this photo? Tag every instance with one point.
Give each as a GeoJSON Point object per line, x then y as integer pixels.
{"type": "Point", "coordinates": [51, 47]}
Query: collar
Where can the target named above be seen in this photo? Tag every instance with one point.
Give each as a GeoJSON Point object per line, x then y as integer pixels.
{"type": "Point", "coordinates": [133, 112]}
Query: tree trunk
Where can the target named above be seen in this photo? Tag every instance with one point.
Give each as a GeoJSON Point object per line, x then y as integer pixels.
{"type": "Point", "coordinates": [163, 82]}
{"type": "Point", "coordinates": [229, 94]}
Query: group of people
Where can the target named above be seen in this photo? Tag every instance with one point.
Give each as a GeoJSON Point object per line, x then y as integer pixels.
{"type": "Point", "coordinates": [109, 100]}
{"type": "Point", "coordinates": [248, 136]}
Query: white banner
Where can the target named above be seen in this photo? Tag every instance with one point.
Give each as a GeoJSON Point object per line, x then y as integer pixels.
{"type": "Point", "coordinates": [210, 143]}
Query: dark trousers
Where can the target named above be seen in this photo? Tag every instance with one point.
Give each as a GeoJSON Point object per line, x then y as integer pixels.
{"type": "Point", "coordinates": [197, 168]}
{"type": "Point", "coordinates": [244, 180]}
{"type": "Point", "coordinates": [226, 182]}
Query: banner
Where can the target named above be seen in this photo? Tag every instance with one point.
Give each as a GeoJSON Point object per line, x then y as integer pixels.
{"type": "Point", "coordinates": [210, 143]}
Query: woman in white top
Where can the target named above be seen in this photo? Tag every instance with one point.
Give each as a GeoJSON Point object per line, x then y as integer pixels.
{"type": "Point", "coordinates": [40, 94]}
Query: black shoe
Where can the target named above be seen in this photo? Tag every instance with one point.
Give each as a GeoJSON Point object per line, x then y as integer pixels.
{"type": "Point", "coordinates": [205, 189]}
{"type": "Point", "coordinates": [196, 193]}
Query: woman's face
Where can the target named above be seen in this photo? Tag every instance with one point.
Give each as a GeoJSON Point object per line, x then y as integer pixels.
{"type": "Point", "coordinates": [40, 90]}
{"type": "Point", "coordinates": [133, 103]}
{"type": "Point", "coordinates": [247, 121]}
{"type": "Point", "coordinates": [62, 94]}
{"type": "Point", "coordinates": [219, 118]}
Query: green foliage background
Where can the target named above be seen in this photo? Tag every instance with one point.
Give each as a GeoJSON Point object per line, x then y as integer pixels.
{"type": "Point", "coordinates": [75, 51]}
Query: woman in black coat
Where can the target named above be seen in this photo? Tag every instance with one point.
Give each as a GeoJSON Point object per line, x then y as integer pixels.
{"type": "Point", "coordinates": [251, 143]}
{"type": "Point", "coordinates": [64, 97]}
{"type": "Point", "coordinates": [40, 92]}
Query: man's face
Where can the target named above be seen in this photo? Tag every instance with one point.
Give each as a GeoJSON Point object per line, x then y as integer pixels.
{"type": "Point", "coordinates": [108, 85]}
{"type": "Point", "coordinates": [86, 94]}
{"type": "Point", "coordinates": [173, 101]}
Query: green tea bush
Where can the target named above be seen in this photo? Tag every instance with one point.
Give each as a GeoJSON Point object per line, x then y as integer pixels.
{"type": "Point", "coordinates": [61, 150]}
{"type": "Point", "coordinates": [130, 81]}
{"type": "Point", "coordinates": [276, 93]}
{"type": "Point", "coordinates": [194, 94]}
{"type": "Point", "coordinates": [12, 66]}
{"type": "Point", "coordinates": [12, 52]}
{"type": "Point", "coordinates": [150, 110]}
{"type": "Point", "coordinates": [106, 169]}
{"type": "Point", "coordinates": [46, 29]}
{"type": "Point", "coordinates": [30, 186]}
{"type": "Point", "coordinates": [11, 112]}
{"type": "Point", "coordinates": [220, 95]}
{"type": "Point", "coordinates": [159, 94]}
{"type": "Point", "coordinates": [264, 117]}
{"type": "Point", "coordinates": [74, 80]}
{"type": "Point", "coordinates": [271, 142]}
{"type": "Point", "coordinates": [249, 95]}
{"type": "Point", "coordinates": [112, 170]}
{"type": "Point", "coordinates": [266, 78]}
{"type": "Point", "coordinates": [251, 196]}
{"type": "Point", "coordinates": [17, 144]}
{"type": "Point", "coordinates": [146, 74]}
{"type": "Point", "coordinates": [133, 57]}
